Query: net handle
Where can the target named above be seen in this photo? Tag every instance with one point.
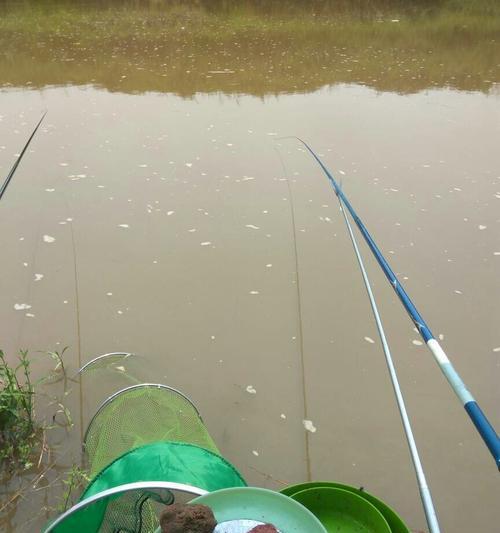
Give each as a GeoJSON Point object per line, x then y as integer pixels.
{"type": "Point", "coordinates": [138, 485]}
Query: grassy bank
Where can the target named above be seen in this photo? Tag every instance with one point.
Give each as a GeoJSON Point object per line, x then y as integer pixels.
{"type": "Point", "coordinates": [34, 442]}
{"type": "Point", "coordinates": [246, 47]}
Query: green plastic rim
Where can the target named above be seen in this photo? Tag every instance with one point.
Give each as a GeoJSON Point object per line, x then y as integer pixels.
{"type": "Point", "coordinates": [393, 519]}
{"type": "Point", "coordinates": [342, 510]}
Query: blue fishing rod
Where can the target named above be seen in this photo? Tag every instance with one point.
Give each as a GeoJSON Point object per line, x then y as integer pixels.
{"type": "Point", "coordinates": [475, 413]}
{"type": "Point", "coordinates": [18, 160]}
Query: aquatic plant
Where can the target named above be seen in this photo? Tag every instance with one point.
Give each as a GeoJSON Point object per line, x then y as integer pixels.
{"type": "Point", "coordinates": [18, 429]}
{"type": "Point", "coordinates": [75, 481]}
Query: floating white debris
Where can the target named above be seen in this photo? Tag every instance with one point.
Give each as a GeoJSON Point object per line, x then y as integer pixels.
{"type": "Point", "coordinates": [123, 226]}
{"type": "Point", "coordinates": [341, 172]}
{"type": "Point", "coordinates": [251, 390]}
{"type": "Point", "coordinates": [256, 453]}
{"type": "Point", "coordinates": [212, 337]}
{"type": "Point", "coordinates": [189, 165]}
{"type": "Point", "coordinates": [30, 315]}
{"type": "Point", "coordinates": [143, 165]}
{"type": "Point", "coordinates": [309, 426]}
{"type": "Point", "coordinates": [169, 213]}
{"type": "Point", "coordinates": [205, 243]}
{"type": "Point", "coordinates": [269, 265]}
{"type": "Point", "coordinates": [456, 291]}
{"type": "Point", "coordinates": [63, 164]}
{"type": "Point", "coordinates": [283, 416]}
{"type": "Point", "coordinates": [370, 340]}
{"type": "Point", "coordinates": [251, 226]}
{"type": "Point", "coordinates": [120, 368]}
{"type": "Point", "coordinates": [65, 301]}
{"type": "Point", "coordinates": [25, 264]}
{"type": "Point", "coordinates": [254, 292]}
{"type": "Point", "coordinates": [496, 349]}
{"type": "Point", "coordinates": [49, 190]}
{"type": "Point", "coordinates": [109, 294]}
{"type": "Point", "coordinates": [48, 238]}
{"type": "Point", "coordinates": [494, 253]}
{"type": "Point", "coordinates": [441, 337]}
{"type": "Point", "coordinates": [21, 307]}
{"type": "Point", "coordinates": [481, 226]}
{"type": "Point", "coordinates": [38, 277]}
{"type": "Point", "coordinates": [272, 133]}
{"type": "Point", "coordinates": [120, 312]}
{"type": "Point", "coordinates": [192, 230]}
{"type": "Point", "coordinates": [417, 342]}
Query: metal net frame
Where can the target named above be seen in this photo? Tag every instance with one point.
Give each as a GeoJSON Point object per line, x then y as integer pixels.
{"type": "Point", "coordinates": [123, 509]}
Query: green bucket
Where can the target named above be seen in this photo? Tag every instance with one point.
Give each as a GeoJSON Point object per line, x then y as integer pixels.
{"type": "Point", "coordinates": [395, 522]}
{"type": "Point", "coordinates": [341, 510]}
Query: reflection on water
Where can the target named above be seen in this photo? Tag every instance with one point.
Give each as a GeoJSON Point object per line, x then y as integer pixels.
{"type": "Point", "coordinates": [186, 48]}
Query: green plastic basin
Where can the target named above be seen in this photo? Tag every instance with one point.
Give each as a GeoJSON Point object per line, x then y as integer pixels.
{"type": "Point", "coordinates": [261, 505]}
{"type": "Point", "coordinates": [342, 511]}
{"type": "Point", "coordinates": [393, 519]}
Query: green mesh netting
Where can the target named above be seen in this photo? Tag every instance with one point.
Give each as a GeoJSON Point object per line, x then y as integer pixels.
{"type": "Point", "coordinates": [141, 415]}
{"type": "Point", "coordinates": [135, 512]}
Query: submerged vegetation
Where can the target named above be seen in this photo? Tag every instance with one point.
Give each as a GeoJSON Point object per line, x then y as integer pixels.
{"type": "Point", "coordinates": [251, 47]}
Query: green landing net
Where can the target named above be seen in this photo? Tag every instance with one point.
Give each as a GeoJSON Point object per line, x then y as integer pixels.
{"type": "Point", "coordinates": [140, 415]}
{"type": "Point", "coordinates": [143, 435]}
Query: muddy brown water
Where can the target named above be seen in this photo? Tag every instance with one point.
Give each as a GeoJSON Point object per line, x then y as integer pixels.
{"type": "Point", "coordinates": [157, 219]}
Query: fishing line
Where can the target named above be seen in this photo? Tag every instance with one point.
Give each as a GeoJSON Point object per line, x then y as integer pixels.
{"type": "Point", "coordinates": [299, 314]}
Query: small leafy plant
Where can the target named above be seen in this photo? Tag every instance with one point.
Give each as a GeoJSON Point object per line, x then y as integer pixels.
{"type": "Point", "coordinates": [18, 430]}
{"type": "Point", "coordinates": [74, 483]}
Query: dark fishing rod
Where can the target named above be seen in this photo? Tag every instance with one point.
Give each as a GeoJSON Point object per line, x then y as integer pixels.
{"type": "Point", "coordinates": [482, 424]}
{"type": "Point", "coordinates": [18, 160]}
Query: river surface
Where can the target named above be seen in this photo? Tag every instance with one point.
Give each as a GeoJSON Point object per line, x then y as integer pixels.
{"type": "Point", "coordinates": [166, 216]}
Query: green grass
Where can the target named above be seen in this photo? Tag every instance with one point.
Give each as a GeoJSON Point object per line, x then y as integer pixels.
{"type": "Point", "coordinates": [18, 430]}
